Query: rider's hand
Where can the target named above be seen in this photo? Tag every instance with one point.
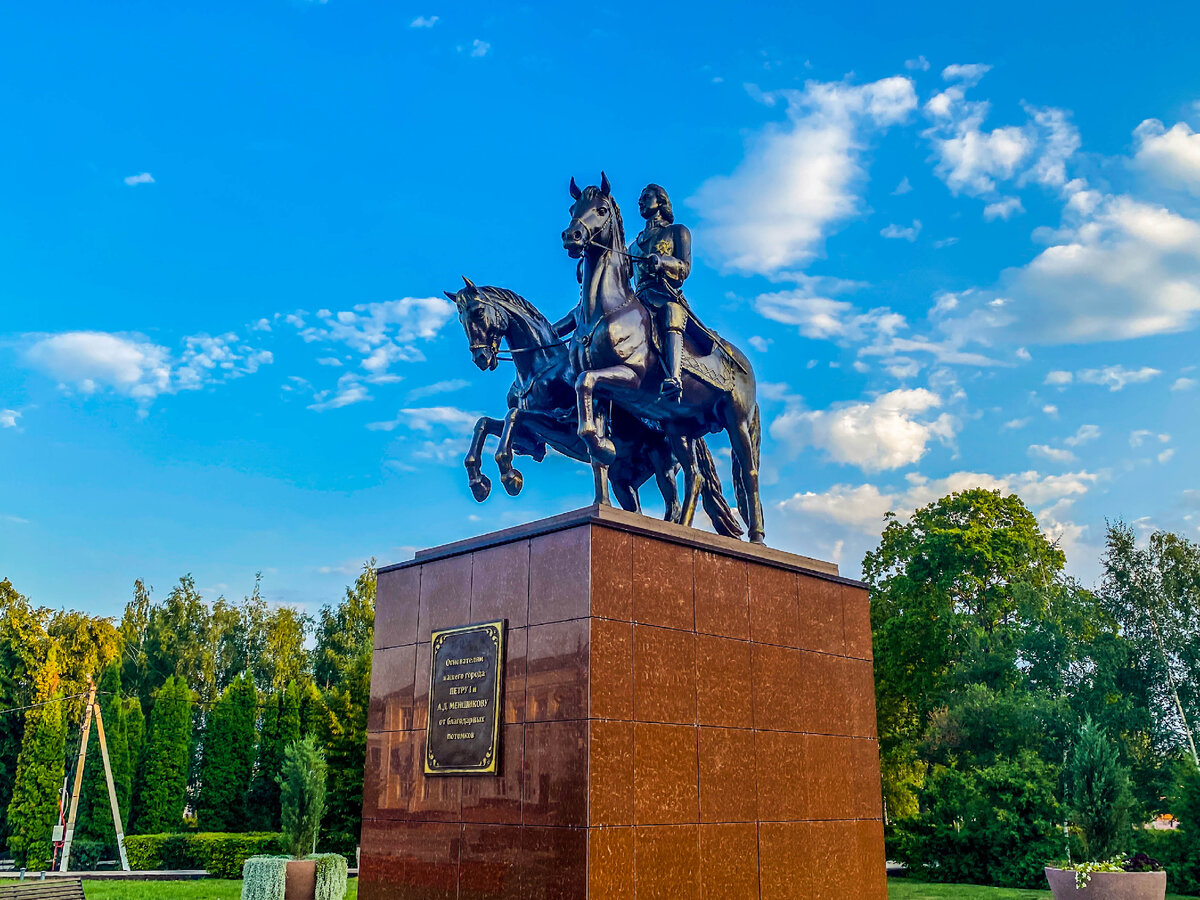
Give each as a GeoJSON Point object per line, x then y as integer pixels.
{"type": "Point", "coordinates": [655, 262]}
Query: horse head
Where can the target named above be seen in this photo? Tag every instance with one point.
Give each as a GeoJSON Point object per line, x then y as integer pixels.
{"type": "Point", "coordinates": [484, 321]}
{"type": "Point", "coordinates": [595, 219]}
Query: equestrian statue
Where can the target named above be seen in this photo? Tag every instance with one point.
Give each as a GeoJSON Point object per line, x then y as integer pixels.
{"type": "Point", "coordinates": [629, 381]}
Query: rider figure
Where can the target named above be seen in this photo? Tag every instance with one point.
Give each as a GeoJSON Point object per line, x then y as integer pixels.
{"type": "Point", "coordinates": [667, 251]}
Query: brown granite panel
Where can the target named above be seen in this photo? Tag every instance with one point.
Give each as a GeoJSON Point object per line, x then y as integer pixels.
{"type": "Point", "coordinates": [667, 862]}
{"type": "Point", "coordinates": [612, 574]}
{"type": "Point", "coordinates": [555, 863]}
{"type": "Point", "coordinates": [393, 680]}
{"type": "Point", "coordinates": [833, 861]}
{"type": "Point", "coordinates": [868, 792]}
{"type": "Point", "coordinates": [556, 773]}
{"type": "Point", "coordinates": [390, 790]}
{"type": "Point", "coordinates": [872, 869]}
{"type": "Point", "coordinates": [722, 595]}
{"type": "Point", "coordinates": [424, 665]}
{"type": "Point", "coordinates": [779, 689]}
{"type": "Point", "coordinates": [723, 682]}
{"type": "Point", "coordinates": [664, 675]}
{"type": "Point", "coordinates": [782, 864]}
{"type": "Point", "coordinates": [397, 599]}
{"type": "Point", "coordinates": [662, 584]}
{"type": "Point", "coordinates": [728, 792]}
{"type": "Point", "coordinates": [820, 690]}
{"type": "Point", "coordinates": [611, 672]}
{"type": "Point", "coordinates": [610, 864]}
{"type": "Point", "coordinates": [445, 595]}
{"type": "Point", "coordinates": [783, 776]}
{"type": "Point", "coordinates": [821, 615]}
{"type": "Point", "coordinates": [610, 774]}
{"type": "Point", "coordinates": [409, 861]}
{"type": "Point", "coordinates": [830, 781]}
{"type": "Point", "coordinates": [774, 610]}
{"type": "Point", "coordinates": [858, 683]}
{"type": "Point", "coordinates": [497, 801]}
{"type": "Point", "coordinates": [500, 584]}
{"type": "Point", "coordinates": [556, 680]}
{"type": "Point", "coordinates": [665, 778]}
{"type": "Point", "coordinates": [856, 609]}
{"type": "Point", "coordinates": [729, 861]}
{"type": "Point", "coordinates": [559, 575]}
{"type": "Point", "coordinates": [436, 799]}
{"type": "Point", "coordinates": [490, 863]}
{"type": "Point", "coordinates": [516, 653]}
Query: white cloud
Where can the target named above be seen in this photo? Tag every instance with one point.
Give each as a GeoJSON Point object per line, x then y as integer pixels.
{"type": "Point", "coordinates": [810, 307]}
{"type": "Point", "coordinates": [480, 48]}
{"type": "Point", "coordinates": [8, 418]}
{"type": "Point", "coordinates": [759, 343]}
{"type": "Point", "coordinates": [438, 387]}
{"type": "Point", "coordinates": [1014, 424]}
{"type": "Point", "coordinates": [901, 232]}
{"type": "Point", "coordinates": [1115, 378]}
{"type": "Point", "coordinates": [1166, 455]}
{"type": "Point", "coordinates": [920, 64]}
{"type": "Point", "coordinates": [383, 333]}
{"type": "Point", "coordinates": [423, 22]}
{"type": "Point", "coordinates": [1004, 209]}
{"type": "Point", "coordinates": [141, 178]}
{"type": "Point", "coordinates": [969, 73]}
{"type": "Point", "coordinates": [904, 187]}
{"type": "Point", "coordinates": [861, 507]}
{"type": "Point", "coordinates": [891, 431]}
{"type": "Point", "coordinates": [1172, 156]}
{"type": "Point", "coordinates": [800, 177]}
{"type": "Point", "coordinates": [1054, 454]}
{"type": "Point", "coordinates": [350, 389]}
{"type": "Point", "coordinates": [1137, 438]}
{"type": "Point", "coordinates": [1058, 377]}
{"type": "Point", "coordinates": [1083, 435]}
{"type": "Point", "coordinates": [1184, 384]}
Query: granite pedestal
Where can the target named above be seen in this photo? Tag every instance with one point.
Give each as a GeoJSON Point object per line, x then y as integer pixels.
{"type": "Point", "coordinates": [685, 716]}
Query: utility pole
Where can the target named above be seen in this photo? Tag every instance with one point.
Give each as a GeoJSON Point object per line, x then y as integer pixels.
{"type": "Point", "coordinates": [93, 707]}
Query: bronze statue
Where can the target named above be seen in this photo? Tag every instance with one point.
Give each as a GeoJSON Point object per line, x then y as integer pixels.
{"type": "Point", "coordinates": [662, 260]}
{"type": "Point", "coordinates": [614, 349]}
{"type": "Point", "coordinates": [542, 408]}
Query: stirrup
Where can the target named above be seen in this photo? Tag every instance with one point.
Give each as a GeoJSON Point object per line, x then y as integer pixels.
{"type": "Point", "coordinates": [672, 388]}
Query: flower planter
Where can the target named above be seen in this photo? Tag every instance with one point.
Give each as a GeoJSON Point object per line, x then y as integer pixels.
{"type": "Point", "coordinates": [1108, 885]}
{"type": "Point", "coordinates": [301, 881]}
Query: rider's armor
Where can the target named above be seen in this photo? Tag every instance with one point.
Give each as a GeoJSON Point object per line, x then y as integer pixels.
{"type": "Point", "coordinates": [661, 290]}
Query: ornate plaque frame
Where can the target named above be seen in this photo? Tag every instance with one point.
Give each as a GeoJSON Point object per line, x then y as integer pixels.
{"type": "Point", "coordinates": [477, 652]}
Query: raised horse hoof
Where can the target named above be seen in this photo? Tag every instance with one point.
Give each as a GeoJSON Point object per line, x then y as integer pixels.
{"type": "Point", "coordinates": [513, 482]}
{"type": "Point", "coordinates": [481, 487]}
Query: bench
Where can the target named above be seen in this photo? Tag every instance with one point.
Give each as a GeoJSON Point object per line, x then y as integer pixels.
{"type": "Point", "coordinates": [36, 889]}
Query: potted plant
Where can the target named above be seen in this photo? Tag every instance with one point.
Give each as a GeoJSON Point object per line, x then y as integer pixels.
{"type": "Point", "coordinates": [1098, 802]}
{"type": "Point", "coordinates": [302, 874]}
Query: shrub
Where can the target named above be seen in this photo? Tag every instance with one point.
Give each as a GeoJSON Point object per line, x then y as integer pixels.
{"type": "Point", "coordinates": [222, 855]}
{"type": "Point", "coordinates": [1097, 794]}
{"type": "Point", "coordinates": [264, 878]}
{"type": "Point", "coordinates": [302, 796]}
{"type": "Point", "coordinates": [331, 876]}
{"type": "Point", "coordinates": [86, 855]}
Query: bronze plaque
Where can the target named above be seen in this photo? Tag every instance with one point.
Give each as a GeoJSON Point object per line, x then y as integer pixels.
{"type": "Point", "coordinates": [466, 684]}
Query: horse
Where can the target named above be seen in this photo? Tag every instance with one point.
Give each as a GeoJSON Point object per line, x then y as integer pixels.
{"type": "Point", "coordinates": [615, 354]}
{"type": "Point", "coordinates": [542, 412]}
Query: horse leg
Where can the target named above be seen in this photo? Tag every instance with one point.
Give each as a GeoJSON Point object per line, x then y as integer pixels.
{"type": "Point", "coordinates": [599, 444]}
{"type": "Point", "coordinates": [691, 484]}
{"type": "Point", "coordinates": [625, 493]}
{"type": "Point", "coordinates": [744, 446]}
{"type": "Point", "coordinates": [510, 477]}
{"type": "Point", "coordinates": [481, 486]}
{"type": "Point", "coordinates": [666, 471]}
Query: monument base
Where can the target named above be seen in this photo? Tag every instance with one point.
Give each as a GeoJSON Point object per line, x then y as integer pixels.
{"type": "Point", "coordinates": [684, 716]}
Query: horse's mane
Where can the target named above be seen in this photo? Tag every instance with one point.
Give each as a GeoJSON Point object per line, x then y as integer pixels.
{"type": "Point", "coordinates": [591, 192]}
{"type": "Point", "coordinates": [512, 302]}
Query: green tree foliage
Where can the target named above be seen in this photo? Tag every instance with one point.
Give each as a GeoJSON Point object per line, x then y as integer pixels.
{"type": "Point", "coordinates": [87, 645]}
{"type": "Point", "coordinates": [345, 631]}
{"type": "Point", "coordinates": [33, 810]}
{"type": "Point", "coordinates": [162, 789]}
{"type": "Point", "coordinates": [135, 740]}
{"type": "Point", "coordinates": [95, 811]}
{"type": "Point", "coordinates": [280, 727]}
{"type": "Point", "coordinates": [229, 751]}
{"type": "Point", "coordinates": [1097, 793]}
{"type": "Point", "coordinates": [302, 795]}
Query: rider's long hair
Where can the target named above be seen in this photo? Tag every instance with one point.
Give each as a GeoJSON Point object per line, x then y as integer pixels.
{"type": "Point", "coordinates": [664, 202]}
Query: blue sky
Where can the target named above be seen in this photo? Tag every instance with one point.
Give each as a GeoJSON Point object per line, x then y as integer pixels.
{"type": "Point", "coordinates": [961, 246]}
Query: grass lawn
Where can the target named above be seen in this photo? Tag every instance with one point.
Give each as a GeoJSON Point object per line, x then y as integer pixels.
{"type": "Point", "coordinates": [903, 889]}
{"type": "Point", "coordinates": [204, 889]}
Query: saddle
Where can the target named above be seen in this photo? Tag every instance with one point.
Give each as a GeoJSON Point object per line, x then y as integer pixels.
{"type": "Point", "coordinates": [712, 362]}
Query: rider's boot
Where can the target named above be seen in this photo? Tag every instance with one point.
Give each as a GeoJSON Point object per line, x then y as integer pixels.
{"type": "Point", "coordinates": [672, 386]}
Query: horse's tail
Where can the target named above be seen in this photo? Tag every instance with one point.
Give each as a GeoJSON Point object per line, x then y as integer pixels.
{"type": "Point", "coordinates": [715, 504]}
{"type": "Point", "coordinates": [739, 483]}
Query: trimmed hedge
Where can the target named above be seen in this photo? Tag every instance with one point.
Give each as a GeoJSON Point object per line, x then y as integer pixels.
{"type": "Point", "coordinates": [222, 855]}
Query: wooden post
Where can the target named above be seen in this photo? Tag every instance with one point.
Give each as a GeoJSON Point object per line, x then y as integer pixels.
{"type": "Point", "coordinates": [87, 727]}
{"type": "Point", "coordinates": [112, 790]}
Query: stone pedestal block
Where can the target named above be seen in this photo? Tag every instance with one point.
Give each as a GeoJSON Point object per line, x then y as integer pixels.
{"type": "Point", "coordinates": [685, 716]}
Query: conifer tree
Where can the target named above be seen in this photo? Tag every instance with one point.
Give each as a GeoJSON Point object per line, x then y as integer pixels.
{"type": "Point", "coordinates": [281, 727]}
{"type": "Point", "coordinates": [135, 741]}
{"type": "Point", "coordinates": [229, 745]}
{"type": "Point", "coordinates": [162, 790]}
{"type": "Point", "coordinates": [33, 810]}
{"type": "Point", "coordinates": [95, 810]}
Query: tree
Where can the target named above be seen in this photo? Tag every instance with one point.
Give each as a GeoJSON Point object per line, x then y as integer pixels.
{"type": "Point", "coordinates": [1097, 793]}
{"type": "Point", "coordinates": [135, 740]}
{"type": "Point", "coordinates": [344, 632]}
{"type": "Point", "coordinates": [162, 792]}
{"type": "Point", "coordinates": [344, 735]}
{"type": "Point", "coordinates": [302, 794]}
{"type": "Point", "coordinates": [280, 728]}
{"type": "Point", "coordinates": [32, 812]}
{"type": "Point", "coordinates": [228, 763]}
{"type": "Point", "coordinates": [95, 811]}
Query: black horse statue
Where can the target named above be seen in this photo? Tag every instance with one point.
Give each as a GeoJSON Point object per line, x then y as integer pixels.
{"type": "Point", "coordinates": [616, 353]}
{"type": "Point", "coordinates": [542, 413]}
